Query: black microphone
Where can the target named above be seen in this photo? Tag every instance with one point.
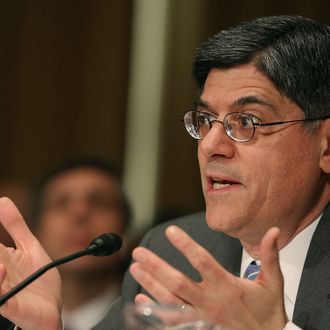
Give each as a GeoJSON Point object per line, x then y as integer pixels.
{"type": "Point", "coordinates": [104, 245]}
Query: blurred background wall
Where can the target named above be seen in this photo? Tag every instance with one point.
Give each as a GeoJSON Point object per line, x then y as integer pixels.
{"type": "Point", "coordinates": [112, 78]}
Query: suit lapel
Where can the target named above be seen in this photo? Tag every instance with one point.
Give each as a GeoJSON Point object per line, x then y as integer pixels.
{"type": "Point", "coordinates": [312, 307]}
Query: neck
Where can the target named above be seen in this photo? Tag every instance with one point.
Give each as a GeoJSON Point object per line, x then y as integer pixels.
{"type": "Point", "coordinates": [288, 230]}
{"type": "Point", "coordinates": [77, 289]}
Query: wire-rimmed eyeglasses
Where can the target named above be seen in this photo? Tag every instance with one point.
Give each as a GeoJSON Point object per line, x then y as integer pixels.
{"type": "Point", "coordinates": [239, 126]}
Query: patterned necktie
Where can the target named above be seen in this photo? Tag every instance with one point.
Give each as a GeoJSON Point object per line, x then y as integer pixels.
{"type": "Point", "coordinates": [252, 271]}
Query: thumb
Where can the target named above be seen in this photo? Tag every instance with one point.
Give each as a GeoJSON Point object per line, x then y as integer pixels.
{"type": "Point", "coordinates": [271, 274]}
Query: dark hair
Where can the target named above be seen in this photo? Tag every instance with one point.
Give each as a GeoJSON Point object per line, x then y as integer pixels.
{"type": "Point", "coordinates": [84, 161]}
{"type": "Point", "coordinates": [292, 51]}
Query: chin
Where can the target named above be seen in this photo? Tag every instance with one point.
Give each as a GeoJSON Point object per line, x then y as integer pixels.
{"type": "Point", "coordinates": [226, 222]}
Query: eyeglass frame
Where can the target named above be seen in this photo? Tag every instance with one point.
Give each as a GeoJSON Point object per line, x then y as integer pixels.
{"type": "Point", "coordinates": [249, 116]}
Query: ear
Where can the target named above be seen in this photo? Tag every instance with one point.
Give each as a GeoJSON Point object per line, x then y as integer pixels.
{"type": "Point", "coordinates": [325, 146]}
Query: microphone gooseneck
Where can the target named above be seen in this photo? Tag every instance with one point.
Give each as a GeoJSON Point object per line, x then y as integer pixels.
{"type": "Point", "coordinates": [104, 245]}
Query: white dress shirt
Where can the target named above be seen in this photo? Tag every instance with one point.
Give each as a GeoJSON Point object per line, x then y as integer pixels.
{"type": "Point", "coordinates": [292, 259]}
{"type": "Point", "coordinates": [91, 313]}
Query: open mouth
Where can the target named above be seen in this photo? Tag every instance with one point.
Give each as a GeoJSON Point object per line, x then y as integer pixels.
{"type": "Point", "coordinates": [218, 184]}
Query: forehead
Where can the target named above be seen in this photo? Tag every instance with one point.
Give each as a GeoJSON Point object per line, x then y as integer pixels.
{"type": "Point", "coordinates": [239, 86]}
{"type": "Point", "coordinates": [80, 180]}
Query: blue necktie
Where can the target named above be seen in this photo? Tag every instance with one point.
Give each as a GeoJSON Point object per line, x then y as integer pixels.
{"type": "Point", "coordinates": [252, 271]}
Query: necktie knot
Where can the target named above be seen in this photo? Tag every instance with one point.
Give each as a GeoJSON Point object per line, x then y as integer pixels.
{"type": "Point", "coordinates": [252, 271]}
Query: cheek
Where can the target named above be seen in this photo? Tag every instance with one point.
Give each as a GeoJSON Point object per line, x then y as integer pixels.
{"type": "Point", "coordinates": [51, 236]}
{"type": "Point", "coordinates": [290, 169]}
{"type": "Point", "coordinates": [49, 228]}
{"type": "Point", "coordinates": [201, 162]}
{"type": "Point", "coordinates": [269, 172]}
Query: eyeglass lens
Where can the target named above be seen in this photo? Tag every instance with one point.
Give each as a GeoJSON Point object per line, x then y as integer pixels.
{"type": "Point", "coordinates": [238, 126]}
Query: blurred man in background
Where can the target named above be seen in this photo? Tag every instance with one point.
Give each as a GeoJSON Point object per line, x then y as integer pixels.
{"type": "Point", "coordinates": [76, 202]}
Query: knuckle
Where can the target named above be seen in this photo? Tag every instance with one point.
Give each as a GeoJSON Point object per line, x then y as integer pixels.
{"type": "Point", "coordinates": [170, 299]}
{"type": "Point", "coordinates": [180, 283]}
{"type": "Point", "coordinates": [201, 262]}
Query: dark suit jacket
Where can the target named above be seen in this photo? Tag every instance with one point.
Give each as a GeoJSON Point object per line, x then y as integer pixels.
{"type": "Point", "coordinates": [312, 308]}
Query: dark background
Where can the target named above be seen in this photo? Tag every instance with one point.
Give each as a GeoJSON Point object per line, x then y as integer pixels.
{"type": "Point", "coordinates": [64, 74]}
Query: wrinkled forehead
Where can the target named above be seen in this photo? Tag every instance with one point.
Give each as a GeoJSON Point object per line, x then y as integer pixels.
{"type": "Point", "coordinates": [239, 87]}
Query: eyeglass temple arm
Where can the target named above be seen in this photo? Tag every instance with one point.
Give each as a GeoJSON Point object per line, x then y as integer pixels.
{"type": "Point", "coordinates": [289, 121]}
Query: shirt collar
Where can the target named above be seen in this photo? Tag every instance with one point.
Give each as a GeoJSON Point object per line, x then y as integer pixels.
{"type": "Point", "coordinates": [292, 259]}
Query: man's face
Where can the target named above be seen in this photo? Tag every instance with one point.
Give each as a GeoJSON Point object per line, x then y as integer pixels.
{"type": "Point", "coordinates": [274, 179]}
{"type": "Point", "coordinates": [78, 206]}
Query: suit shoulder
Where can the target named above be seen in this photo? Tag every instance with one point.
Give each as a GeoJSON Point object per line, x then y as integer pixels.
{"type": "Point", "coordinates": [195, 226]}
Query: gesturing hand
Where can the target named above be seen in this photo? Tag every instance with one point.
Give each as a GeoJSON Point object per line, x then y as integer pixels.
{"type": "Point", "coordinates": [219, 297]}
{"type": "Point", "coordinates": [38, 305]}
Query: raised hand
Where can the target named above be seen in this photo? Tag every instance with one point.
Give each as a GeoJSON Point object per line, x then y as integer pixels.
{"type": "Point", "coordinates": [38, 305]}
{"type": "Point", "coordinates": [219, 297]}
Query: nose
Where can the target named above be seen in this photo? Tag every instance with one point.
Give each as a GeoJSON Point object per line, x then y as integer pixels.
{"type": "Point", "coordinates": [79, 210]}
{"type": "Point", "coordinates": [217, 142]}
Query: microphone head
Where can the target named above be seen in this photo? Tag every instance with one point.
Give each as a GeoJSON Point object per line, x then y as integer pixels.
{"type": "Point", "coordinates": [105, 245]}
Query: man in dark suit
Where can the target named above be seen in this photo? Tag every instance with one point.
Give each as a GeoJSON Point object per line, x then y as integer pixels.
{"type": "Point", "coordinates": [264, 154]}
{"type": "Point", "coordinates": [311, 311]}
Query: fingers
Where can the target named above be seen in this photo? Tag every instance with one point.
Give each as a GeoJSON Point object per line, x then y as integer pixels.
{"type": "Point", "coordinates": [169, 285]}
{"type": "Point", "coordinates": [14, 224]}
{"type": "Point", "coordinates": [143, 299]}
{"type": "Point", "coordinates": [199, 258]}
{"type": "Point", "coordinates": [270, 266]}
{"type": "Point", "coordinates": [156, 276]}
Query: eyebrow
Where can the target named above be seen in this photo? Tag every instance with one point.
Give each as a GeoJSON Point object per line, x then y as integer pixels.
{"type": "Point", "coordinates": [252, 99]}
{"type": "Point", "coordinates": [199, 103]}
{"type": "Point", "coordinates": [244, 100]}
